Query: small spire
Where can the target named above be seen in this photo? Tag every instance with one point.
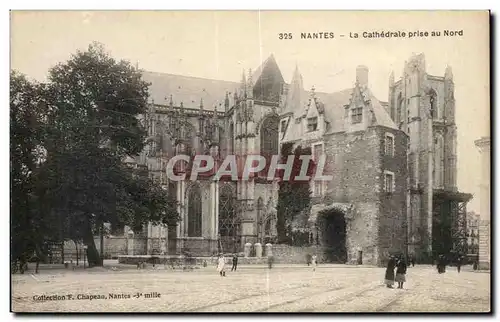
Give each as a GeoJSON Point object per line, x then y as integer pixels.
{"type": "Point", "coordinates": [313, 94]}
{"type": "Point", "coordinates": [226, 101]}
{"type": "Point", "coordinates": [201, 104]}
{"type": "Point", "coordinates": [235, 95]}
{"type": "Point", "coordinates": [182, 107]}
{"type": "Point", "coordinates": [243, 85]}
{"type": "Point", "coordinates": [137, 64]}
{"type": "Point", "coordinates": [171, 101]}
{"type": "Point", "coordinates": [391, 78]}
{"type": "Point", "coordinates": [250, 84]}
{"type": "Point", "coordinates": [448, 74]}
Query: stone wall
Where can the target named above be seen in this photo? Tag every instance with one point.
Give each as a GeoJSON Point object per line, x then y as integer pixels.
{"type": "Point", "coordinates": [285, 254]}
{"type": "Point", "coordinates": [355, 164]}
{"type": "Point", "coordinates": [392, 228]}
{"type": "Point", "coordinates": [198, 246]}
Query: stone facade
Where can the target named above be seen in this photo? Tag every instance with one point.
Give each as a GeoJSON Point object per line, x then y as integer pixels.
{"type": "Point", "coordinates": [484, 225]}
{"type": "Point", "coordinates": [382, 197]}
{"type": "Point", "coordinates": [423, 106]}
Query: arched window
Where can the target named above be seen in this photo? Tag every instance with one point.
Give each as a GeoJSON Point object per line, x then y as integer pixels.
{"type": "Point", "coordinates": [435, 112]}
{"type": "Point", "coordinates": [229, 226]}
{"type": "Point", "coordinates": [194, 211]}
{"type": "Point", "coordinates": [228, 223]}
{"type": "Point", "coordinates": [269, 139]}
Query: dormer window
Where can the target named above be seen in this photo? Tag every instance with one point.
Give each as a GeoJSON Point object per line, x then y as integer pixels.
{"type": "Point", "coordinates": [312, 124]}
{"type": "Point", "coordinates": [357, 114]}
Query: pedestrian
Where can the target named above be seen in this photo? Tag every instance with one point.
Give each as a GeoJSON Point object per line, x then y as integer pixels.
{"type": "Point", "coordinates": [314, 262]}
{"type": "Point", "coordinates": [401, 272]}
{"type": "Point", "coordinates": [459, 264]}
{"type": "Point", "coordinates": [270, 260]}
{"type": "Point", "coordinates": [235, 262]}
{"type": "Point", "coordinates": [441, 264]}
{"type": "Point", "coordinates": [389, 272]}
{"type": "Point", "coordinates": [221, 265]}
{"type": "Point", "coordinates": [308, 259]}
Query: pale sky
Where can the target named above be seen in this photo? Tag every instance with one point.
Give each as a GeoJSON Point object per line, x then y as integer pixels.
{"type": "Point", "coordinates": [219, 45]}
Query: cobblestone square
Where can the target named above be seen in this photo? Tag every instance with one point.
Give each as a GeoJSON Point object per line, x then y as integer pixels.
{"type": "Point", "coordinates": [294, 288]}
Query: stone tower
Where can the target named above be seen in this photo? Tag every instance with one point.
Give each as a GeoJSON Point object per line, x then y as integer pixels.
{"type": "Point", "coordinates": [423, 106]}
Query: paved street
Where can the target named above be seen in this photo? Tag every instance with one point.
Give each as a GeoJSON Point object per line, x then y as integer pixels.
{"type": "Point", "coordinates": [332, 288]}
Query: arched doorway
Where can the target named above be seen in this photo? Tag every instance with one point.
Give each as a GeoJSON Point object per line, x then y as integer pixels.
{"type": "Point", "coordinates": [229, 225]}
{"type": "Point", "coordinates": [332, 235]}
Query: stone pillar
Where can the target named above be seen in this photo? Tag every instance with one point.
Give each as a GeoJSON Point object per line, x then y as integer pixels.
{"type": "Point", "coordinates": [248, 248]}
{"type": "Point", "coordinates": [164, 239]}
{"type": "Point", "coordinates": [149, 239]}
{"type": "Point", "coordinates": [258, 250]}
{"type": "Point", "coordinates": [483, 145]}
{"type": "Point", "coordinates": [130, 242]}
{"type": "Point", "coordinates": [269, 249]}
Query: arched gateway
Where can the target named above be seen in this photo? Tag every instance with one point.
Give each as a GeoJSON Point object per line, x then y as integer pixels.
{"type": "Point", "coordinates": [331, 225]}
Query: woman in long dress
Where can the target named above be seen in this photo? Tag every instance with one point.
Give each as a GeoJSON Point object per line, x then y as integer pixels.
{"type": "Point", "coordinates": [314, 262]}
{"type": "Point", "coordinates": [401, 272]}
{"type": "Point", "coordinates": [221, 265]}
{"type": "Point", "coordinates": [389, 272]}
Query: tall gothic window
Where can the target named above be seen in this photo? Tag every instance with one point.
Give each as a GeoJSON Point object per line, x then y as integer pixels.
{"type": "Point", "coordinates": [435, 113]}
{"type": "Point", "coordinates": [399, 109]}
{"type": "Point", "coordinates": [228, 223]}
{"type": "Point", "coordinates": [269, 138]}
{"type": "Point", "coordinates": [194, 211]}
{"type": "Point", "coordinates": [318, 186]}
{"type": "Point", "coordinates": [231, 139]}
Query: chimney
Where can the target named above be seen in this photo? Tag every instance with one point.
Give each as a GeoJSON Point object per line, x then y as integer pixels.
{"type": "Point", "coordinates": [362, 75]}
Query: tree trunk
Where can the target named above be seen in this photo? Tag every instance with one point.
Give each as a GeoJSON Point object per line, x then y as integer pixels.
{"type": "Point", "coordinates": [92, 253]}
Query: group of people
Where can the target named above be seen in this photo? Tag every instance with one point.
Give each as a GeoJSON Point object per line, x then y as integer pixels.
{"type": "Point", "coordinates": [398, 264]}
{"type": "Point", "coordinates": [221, 264]}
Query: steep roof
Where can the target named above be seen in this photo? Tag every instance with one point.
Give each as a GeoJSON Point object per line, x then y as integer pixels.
{"type": "Point", "coordinates": [188, 90]}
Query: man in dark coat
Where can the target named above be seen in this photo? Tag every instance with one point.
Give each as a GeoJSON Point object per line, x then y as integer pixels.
{"type": "Point", "coordinates": [401, 272]}
{"type": "Point", "coordinates": [459, 263]}
{"type": "Point", "coordinates": [235, 262]}
{"type": "Point", "coordinates": [389, 272]}
{"type": "Point", "coordinates": [441, 264]}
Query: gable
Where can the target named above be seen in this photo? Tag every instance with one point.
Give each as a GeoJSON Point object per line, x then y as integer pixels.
{"type": "Point", "coordinates": [269, 84]}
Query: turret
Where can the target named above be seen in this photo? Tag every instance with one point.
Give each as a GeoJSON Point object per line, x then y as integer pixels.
{"type": "Point", "coordinates": [250, 84]}
{"type": "Point", "coordinates": [226, 102]}
{"type": "Point", "coordinates": [448, 74]}
{"type": "Point", "coordinates": [201, 118]}
{"type": "Point", "coordinates": [243, 86]}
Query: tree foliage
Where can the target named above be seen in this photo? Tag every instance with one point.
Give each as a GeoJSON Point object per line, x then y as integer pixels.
{"type": "Point", "coordinates": [294, 195]}
{"type": "Point", "coordinates": [91, 108]}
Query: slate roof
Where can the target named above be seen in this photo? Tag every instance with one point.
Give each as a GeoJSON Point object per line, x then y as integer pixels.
{"type": "Point", "coordinates": [189, 90]}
